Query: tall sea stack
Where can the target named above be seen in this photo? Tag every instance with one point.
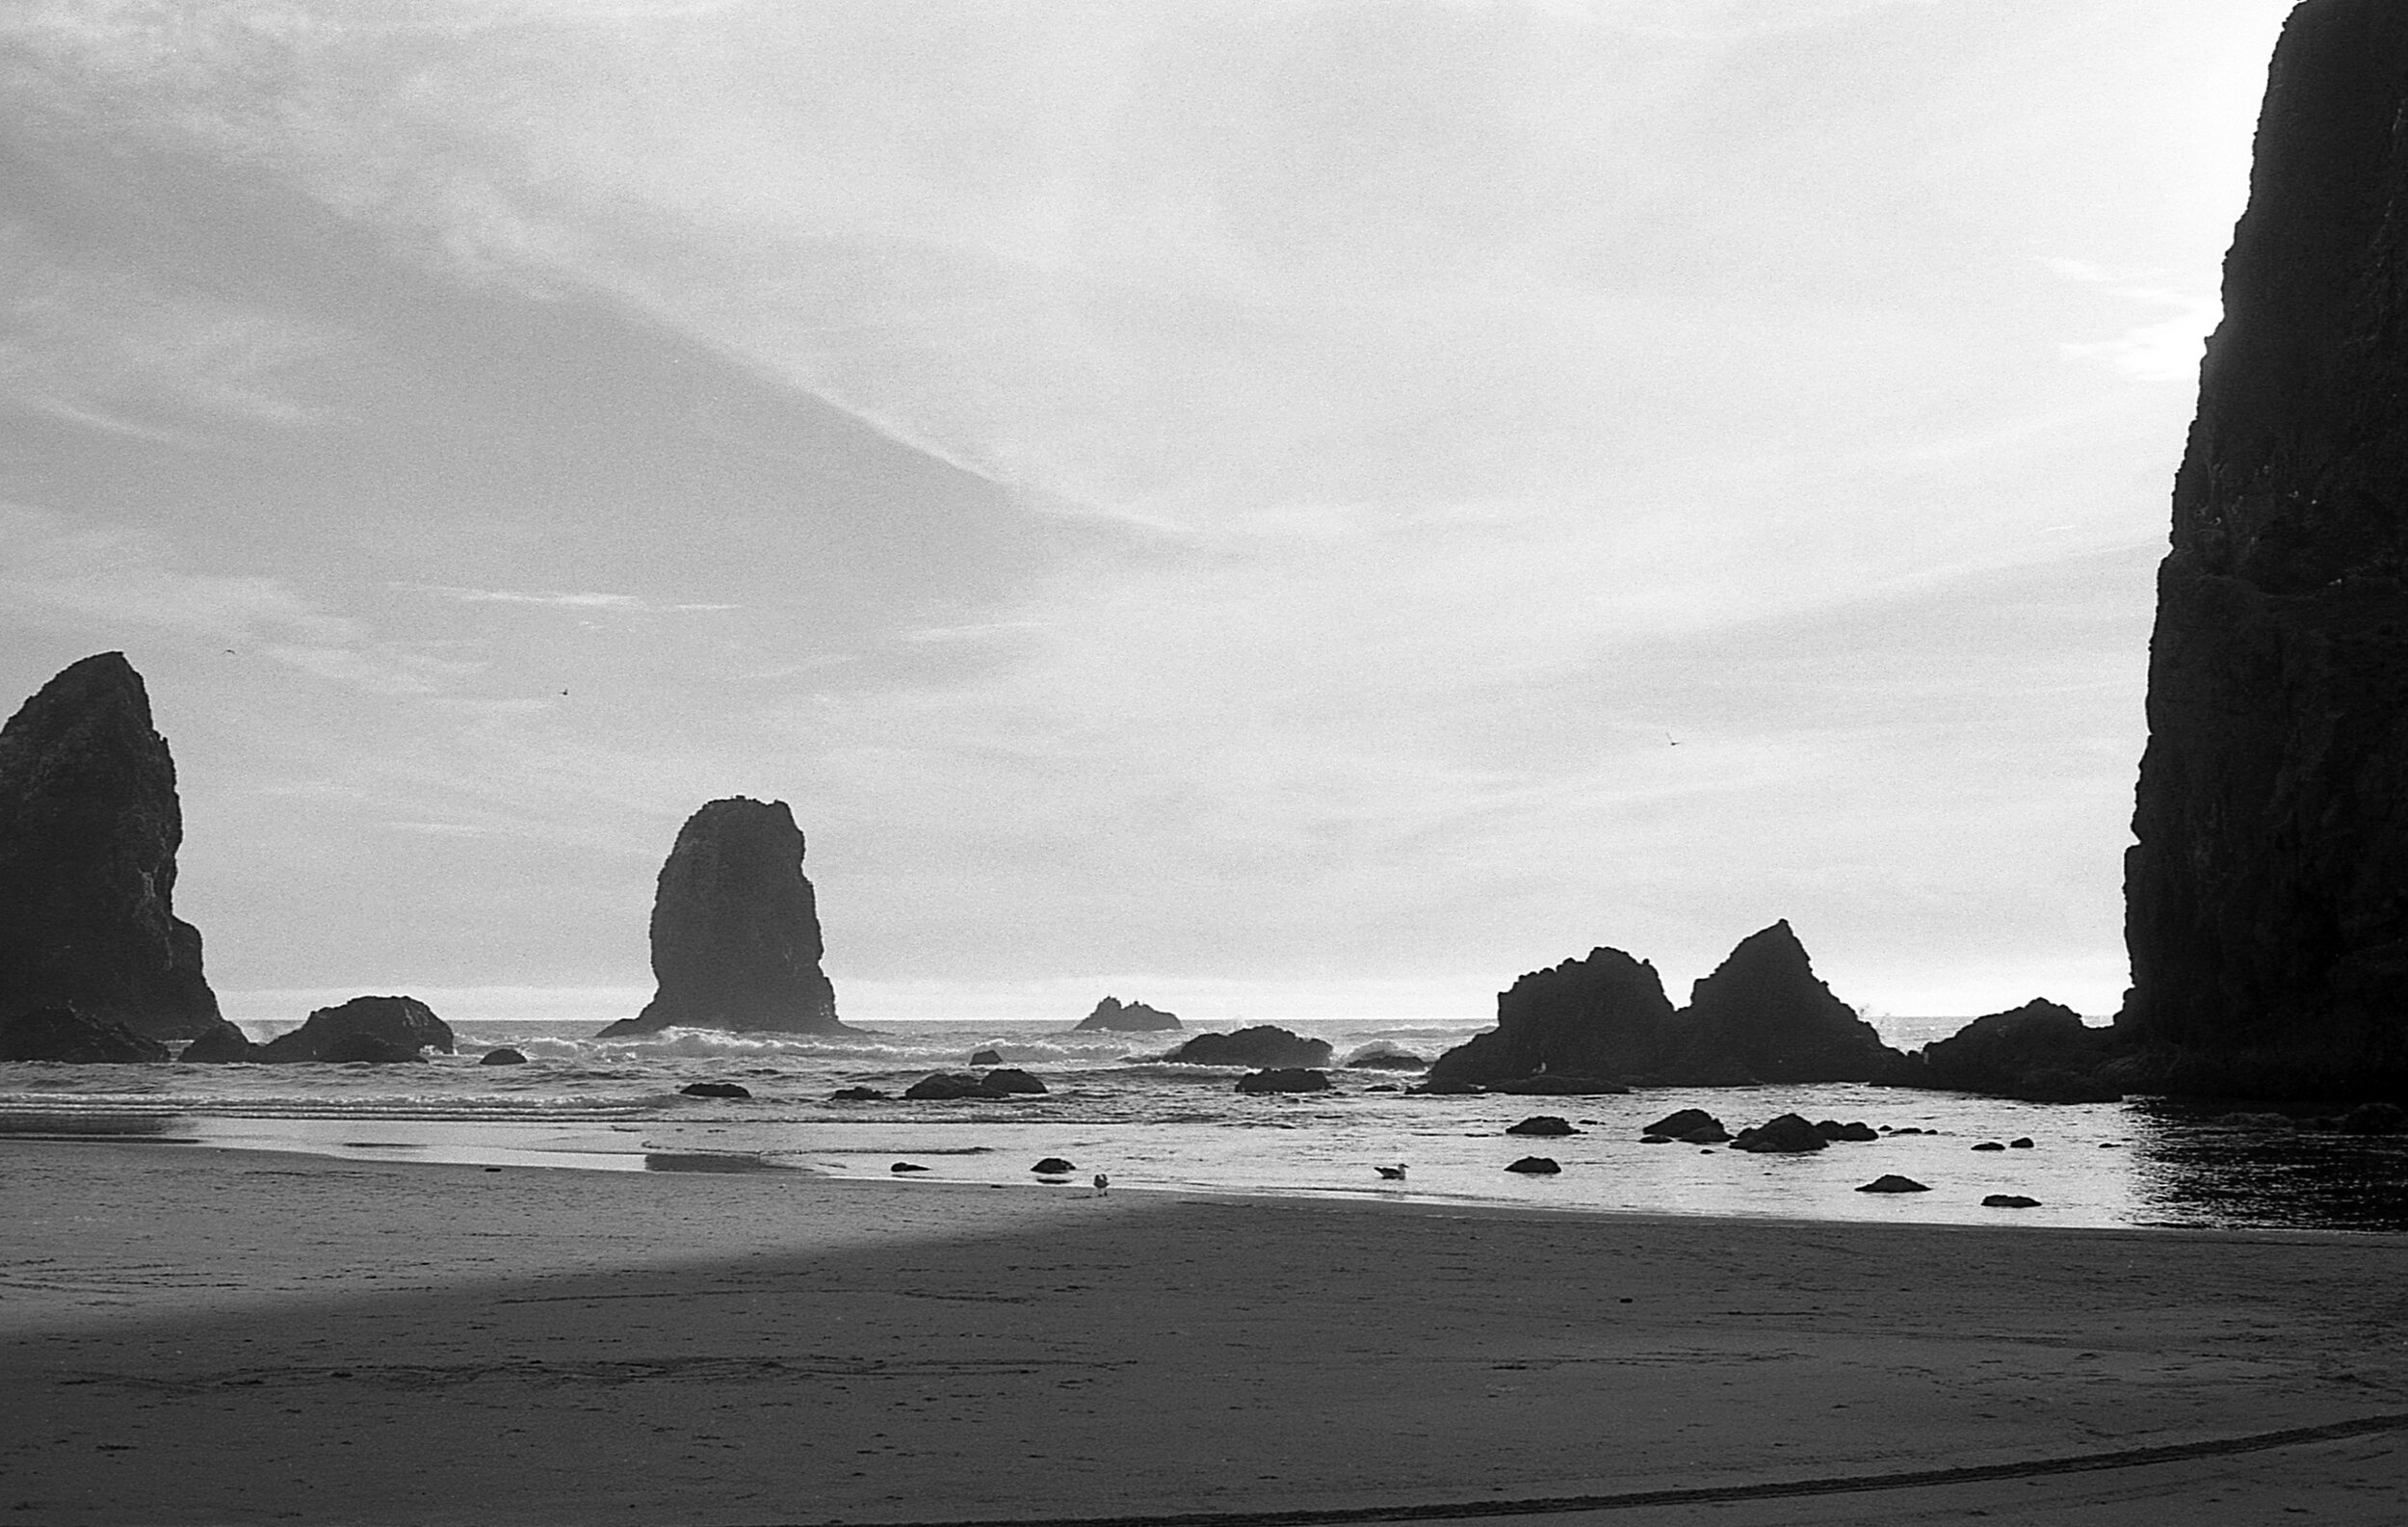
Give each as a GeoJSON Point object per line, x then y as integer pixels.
{"type": "Point", "coordinates": [2267, 898]}
{"type": "Point", "coordinates": [89, 829]}
{"type": "Point", "coordinates": [736, 929]}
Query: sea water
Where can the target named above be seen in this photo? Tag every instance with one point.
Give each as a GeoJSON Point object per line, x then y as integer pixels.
{"type": "Point", "coordinates": [1116, 1106]}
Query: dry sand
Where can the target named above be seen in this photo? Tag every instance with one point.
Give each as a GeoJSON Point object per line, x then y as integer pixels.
{"type": "Point", "coordinates": [198, 1336]}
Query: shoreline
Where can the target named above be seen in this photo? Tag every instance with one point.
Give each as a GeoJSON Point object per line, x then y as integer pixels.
{"type": "Point", "coordinates": [232, 1336]}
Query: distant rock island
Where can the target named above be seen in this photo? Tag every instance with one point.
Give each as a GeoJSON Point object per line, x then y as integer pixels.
{"type": "Point", "coordinates": [736, 929]}
{"type": "Point", "coordinates": [89, 828]}
{"type": "Point", "coordinates": [1135, 1017]}
{"type": "Point", "coordinates": [2266, 895]}
{"type": "Point", "coordinates": [1761, 1016]}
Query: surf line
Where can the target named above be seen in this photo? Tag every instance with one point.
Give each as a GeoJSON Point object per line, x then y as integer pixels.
{"type": "Point", "coordinates": [1710, 1494]}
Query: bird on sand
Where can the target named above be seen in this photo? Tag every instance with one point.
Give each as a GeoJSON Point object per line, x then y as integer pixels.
{"type": "Point", "coordinates": [1102, 1182]}
{"type": "Point", "coordinates": [1394, 1173]}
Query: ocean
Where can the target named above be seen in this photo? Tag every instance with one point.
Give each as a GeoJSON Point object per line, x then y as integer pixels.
{"type": "Point", "coordinates": [1114, 1107]}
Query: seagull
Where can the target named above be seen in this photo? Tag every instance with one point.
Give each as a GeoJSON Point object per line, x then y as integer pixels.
{"type": "Point", "coordinates": [1102, 1182]}
{"type": "Point", "coordinates": [1394, 1173]}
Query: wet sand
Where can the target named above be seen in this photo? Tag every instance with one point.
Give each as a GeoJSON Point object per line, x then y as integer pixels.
{"type": "Point", "coordinates": [197, 1337]}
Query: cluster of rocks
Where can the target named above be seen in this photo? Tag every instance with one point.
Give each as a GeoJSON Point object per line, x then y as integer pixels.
{"type": "Point", "coordinates": [1603, 1023]}
{"type": "Point", "coordinates": [998, 1083]}
{"type": "Point", "coordinates": [1115, 1016]}
{"type": "Point", "coordinates": [370, 1030]}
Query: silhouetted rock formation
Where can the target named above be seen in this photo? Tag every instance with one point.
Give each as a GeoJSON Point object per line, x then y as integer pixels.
{"type": "Point", "coordinates": [501, 1055]}
{"type": "Point", "coordinates": [74, 1038]}
{"type": "Point", "coordinates": [1605, 1016]}
{"type": "Point", "coordinates": [89, 829]}
{"type": "Point", "coordinates": [735, 929]}
{"type": "Point", "coordinates": [716, 1089]}
{"type": "Point", "coordinates": [1589, 1024]}
{"type": "Point", "coordinates": [1285, 1079]}
{"type": "Point", "coordinates": [1536, 1166]}
{"type": "Point", "coordinates": [2264, 905]}
{"type": "Point", "coordinates": [1786, 1134]}
{"type": "Point", "coordinates": [363, 1029]}
{"type": "Point", "coordinates": [221, 1043]}
{"type": "Point", "coordinates": [1134, 1017]}
{"type": "Point", "coordinates": [1263, 1044]}
{"type": "Point", "coordinates": [1542, 1124]}
{"type": "Point", "coordinates": [1382, 1056]}
{"type": "Point", "coordinates": [2041, 1052]}
{"type": "Point", "coordinates": [1763, 1016]}
{"type": "Point", "coordinates": [1892, 1182]}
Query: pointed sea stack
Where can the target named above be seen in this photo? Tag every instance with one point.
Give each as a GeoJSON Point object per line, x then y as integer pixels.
{"type": "Point", "coordinates": [1603, 1016]}
{"type": "Point", "coordinates": [736, 929]}
{"type": "Point", "coordinates": [2266, 896]}
{"type": "Point", "coordinates": [89, 829]}
{"type": "Point", "coordinates": [1765, 1016]}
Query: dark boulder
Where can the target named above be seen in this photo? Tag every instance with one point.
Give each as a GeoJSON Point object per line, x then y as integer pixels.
{"type": "Point", "coordinates": [1680, 1123]}
{"type": "Point", "coordinates": [90, 825]}
{"type": "Point", "coordinates": [2374, 1118]}
{"type": "Point", "coordinates": [396, 1023]}
{"type": "Point", "coordinates": [1536, 1166]}
{"type": "Point", "coordinates": [63, 1035]}
{"type": "Point", "coordinates": [1285, 1079]}
{"type": "Point", "coordinates": [2041, 1052]}
{"type": "Point", "coordinates": [944, 1086]}
{"type": "Point", "coordinates": [2264, 915]}
{"type": "Point", "coordinates": [1989, 1144]}
{"type": "Point", "coordinates": [1605, 1015]}
{"type": "Point", "coordinates": [1892, 1182]}
{"type": "Point", "coordinates": [1008, 1079]}
{"type": "Point", "coordinates": [1443, 1087]}
{"type": "Point", "coordinates": [1131, 1017]}
{"type": "Point", "coordinates": [856, 1094]}
{"type": "Point", "coordinates": [1764, 1014]}
{"type": "Point", "coordinates": [1052, 1167]}
{"type": "Point", "coordinates": [2009, 1200]}
{"type": "Point", "coordinates": [220, 1044]}
{"type": "Point", "coordinates": [907, 1166]}
{"type": "Point", "coordinates": [2020, 1142]}
{"type": "Point", "coordinates": [986, 1058]}
{"type": "Point", "coordinates": [1853, 1130]}
{"type": "Point", "coordinates": [1787, 1134]}
{"type": "Point", "coordinates": [501, 1055]}
{"type": "Point", "coordinates": [1263, 1044]}
{"type": "Point", "coordinates": [736, 929]}
{"type": "Point", "coordinates": [716, 1089]}
{"type": "Point", "coordinates": [1542, 1124]}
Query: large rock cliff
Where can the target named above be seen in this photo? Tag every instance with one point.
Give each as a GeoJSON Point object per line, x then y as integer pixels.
{"type": "Point", "coordinates": [1605, 1015]}
{"type": "Point", "coordinates": [89, 829]}
{"type": "Point", "coordinates": [736, 929]}
{"type": "Point", "coordinates": [2266, 898]}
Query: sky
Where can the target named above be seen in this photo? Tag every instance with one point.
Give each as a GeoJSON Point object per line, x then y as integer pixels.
{"type": "Point", "coordinates": [1275, 510]}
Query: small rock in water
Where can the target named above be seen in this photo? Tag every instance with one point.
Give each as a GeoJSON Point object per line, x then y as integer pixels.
{"type": "Point", "coordinates": [1542, 1124]}
{"type": "Point", "coordinates": [856, 1094]}
{"type": "Point", "coordinates": [1654, 1140]}
{"type": "Point", "coordinates": [1989, 1144]}
{"type": "Point", "coordinates": [716, 1089]}
{"type": "Point", "coordinates": [1285, 1079]}
{"type": "Point", "coordinates": [1013, 1080]}
{"type": "Point", "coordinates": [1052, 1167]}
{"type": "Point", "coordinates": [907, 1166]}
{"type": "Point", "coordinates": [986, 1058]}
{"type": "Point", "coordinates": [1536, 1166]}
{"type": "Point", "coordinates": [1681, 1122]}
{"type": "Point", "coordinates": [504, 1056]}
{"type": "Point", "coordinates": [1892, 1182]}
{"type": "Point", "coordinates": [2020, 1142]}
{"type": "Point", "coordinates": [2009, 1200]}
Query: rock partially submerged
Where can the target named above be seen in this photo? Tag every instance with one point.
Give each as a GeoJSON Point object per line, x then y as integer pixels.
{"type": "Point", "coordinates": [1285, 1079]}
{"type": "Point", "coordinates": [71, 1037]}
{"type": "Point", "coordinates": [2041, 1052]}
{"type": "Point", "coordinates": [1382, 1056]}
{"type": "Point", "coordinates": [221, 1043]}
{"type": "Point", "coordinates": [2264, 911]}
{"type": "Point", "coordinates": [944, 1086]}
{"type": "Point", "coordinates": [716, 1089]}
{"type": "Point", "coordinates": [1134, 1017]}
{"type": "Point", "coordinates": [1788, 1134]}
{"type": "Point", "coordinates": [1542, 1124]}
{"type": "Point", "coordinates": [1892, 1182]}
{"type": "Point", "coordinates": [90, 825]}
{"type": "Point", "coordinates": [1691, 1125]}
{"type": "Point", "coordinates": [1536, 1166]}
{"type": "Point", "coordinates": [1264, 1045]}
{"type": "Point", "coordinates": [1598, 1023]}
{"type": "Point", "coordinates": [736, 929]}
{"type": "Point", "coordinates": [373, 1029]}
{"type": "Point", "coordinates": [501, 1055]}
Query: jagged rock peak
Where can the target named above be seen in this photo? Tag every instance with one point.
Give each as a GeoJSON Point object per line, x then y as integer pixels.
{"type": "Point", "coordinates": [1764, 1012]}
{"type": "Point", "coordinates": [2264, 915]}
{"type": "Point", "coordinates": [1131, 1017]}
{"type": "Point", "coordinates": [90, 826]}
{"type": "Point", "coordinates": [736, 929]}
{"type": "Point", "coordinates": [1605, 1015]}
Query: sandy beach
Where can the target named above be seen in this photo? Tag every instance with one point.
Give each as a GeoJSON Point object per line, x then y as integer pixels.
{"type": "Point", "coordinates": [201, 1336]}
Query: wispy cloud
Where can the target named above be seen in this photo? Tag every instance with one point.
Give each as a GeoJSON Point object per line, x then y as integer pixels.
{"type": "Point", "coordinates": [2166, 349]}
{"type": "Point", "coordinates": [627, 604]}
